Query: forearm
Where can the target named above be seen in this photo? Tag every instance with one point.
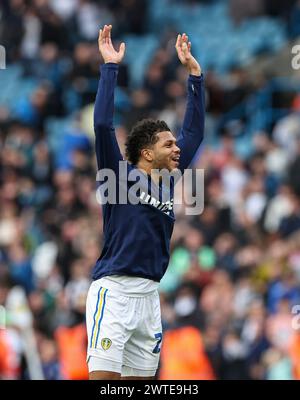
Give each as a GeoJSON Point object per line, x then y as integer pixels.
{"type": "Point", "coordinates": [104, 105]}
{"type": "Point", "coordinates": [106, 145]}
{"type": "Point", "coordinates": [195, 70]}
{"type": "Point", "coordinates": [192, 130]}
{"type": "Point", "coordinates": [193, 124]}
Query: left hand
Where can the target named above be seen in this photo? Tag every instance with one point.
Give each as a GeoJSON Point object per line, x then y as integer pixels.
{"type": "Point", "coordinates": [183, 48]}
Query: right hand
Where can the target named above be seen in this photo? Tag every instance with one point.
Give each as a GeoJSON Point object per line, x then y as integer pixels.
{"type": "Point", "coordinates": [106, 48]}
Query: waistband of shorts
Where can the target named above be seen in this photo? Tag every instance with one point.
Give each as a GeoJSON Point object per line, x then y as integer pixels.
{"type": "Point", "coordinates": [109, 282]}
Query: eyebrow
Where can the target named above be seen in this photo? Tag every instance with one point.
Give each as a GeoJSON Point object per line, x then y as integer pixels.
{"type": "Point", "coordinates": [170, 141]}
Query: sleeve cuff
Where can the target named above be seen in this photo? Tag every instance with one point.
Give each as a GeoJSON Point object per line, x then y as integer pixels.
{"type": "Point", "coordinates": [112, 66]}
{"type": "Point", "coordinates": [194, 78]}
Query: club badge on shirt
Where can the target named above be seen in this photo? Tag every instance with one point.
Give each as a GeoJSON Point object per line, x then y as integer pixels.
{"type": "Point", "coordinates": [106, 343]}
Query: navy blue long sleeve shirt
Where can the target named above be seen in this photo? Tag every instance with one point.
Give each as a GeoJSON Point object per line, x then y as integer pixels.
{"type": "Point", "coordinates": [137, 236]}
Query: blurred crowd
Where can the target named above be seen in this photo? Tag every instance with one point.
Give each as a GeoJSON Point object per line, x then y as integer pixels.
{"type": "Point", "coordinates": [229, 299]}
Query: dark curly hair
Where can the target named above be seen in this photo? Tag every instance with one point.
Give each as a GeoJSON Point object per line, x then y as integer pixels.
{"type": "Point", "coordinates": [143, 134]}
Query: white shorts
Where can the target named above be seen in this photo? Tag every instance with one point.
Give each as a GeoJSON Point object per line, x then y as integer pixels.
{"type": "Point", "coordinates": [124, 332]}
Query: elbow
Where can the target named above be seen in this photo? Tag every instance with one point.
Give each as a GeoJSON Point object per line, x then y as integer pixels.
{"type": "Point", "coordinates": [102, 121]}
{"type": "Point", "coordinates": [201, 131]}
{"type": "Point", "coordinates": [199, 141]}
{"type": "Point", "coordinates": [199, 135]}
{"type": "Point", "coordinates": [101, 125]}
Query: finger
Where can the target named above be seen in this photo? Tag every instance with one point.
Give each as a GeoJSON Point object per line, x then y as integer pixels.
{"type": "Point", "coordinates": [184, 48]}
{"type": "Point", "coordinates": [181, 39]}
{"type": "Point", "coordinates": [109, 31]}
{"type": "Point", "coordinates": [178, 41]}
{"type": "Point", "coordinates": [122, 49]}
{"type": "Point", "coordinates": [101, 39]}
{"type": "Point", "coordinates": [185, 38]}
{"type": "Point", "coordinates": [189, 46]}
{"type": "Point", "coordinates": [105, 31]}
{"type": "Point", "coordinates": [109, 34]}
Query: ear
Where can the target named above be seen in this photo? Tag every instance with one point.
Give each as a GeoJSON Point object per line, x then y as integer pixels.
{"type": "Point", "coordinates": [147, 154]}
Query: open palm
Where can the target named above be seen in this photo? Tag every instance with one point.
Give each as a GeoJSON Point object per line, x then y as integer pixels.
{"type": "Point", "coordinates": [106, 47]}
{"type": "Point", "coordinates": [183, 48]}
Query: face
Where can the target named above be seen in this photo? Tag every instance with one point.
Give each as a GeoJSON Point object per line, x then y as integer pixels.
{"type": "Point", "coordinates": [165, 153]}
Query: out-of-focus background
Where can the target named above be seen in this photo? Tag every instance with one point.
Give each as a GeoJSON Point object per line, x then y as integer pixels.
{"type": "Point", "coordinates": [229, 299]}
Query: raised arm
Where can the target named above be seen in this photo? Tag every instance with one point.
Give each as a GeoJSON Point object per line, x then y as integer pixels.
{"type": "Point", "coordinates": [107, 149]}
{"type": "Point", "coordinates": [191, 134]}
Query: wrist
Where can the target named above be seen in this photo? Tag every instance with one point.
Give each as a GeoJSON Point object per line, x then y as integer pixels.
{"type": "Point", "coordinates": [195, 71]}
{"type": "Point", "coordinates": [109, 65]}
{"type": "Point", "coordinates": [110, 62]}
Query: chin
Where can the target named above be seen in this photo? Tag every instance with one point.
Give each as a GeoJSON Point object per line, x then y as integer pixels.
{"type": "Point", "coordinates": [170, 168]}
{"type": "Point", "coordinates": [174, 166]}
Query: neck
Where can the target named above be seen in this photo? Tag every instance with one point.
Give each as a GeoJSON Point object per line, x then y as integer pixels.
{"type": "Point", "coordinates": [148, 168]}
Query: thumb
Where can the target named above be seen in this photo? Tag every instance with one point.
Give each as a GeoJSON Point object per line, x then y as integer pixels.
{"type": "Point", "coordinates": [122, 49]}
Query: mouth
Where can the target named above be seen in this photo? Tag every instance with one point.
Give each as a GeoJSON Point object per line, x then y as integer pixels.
{"type": "Point", "coordinates": [175, 160]}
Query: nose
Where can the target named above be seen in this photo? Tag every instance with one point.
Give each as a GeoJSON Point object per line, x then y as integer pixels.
{"type": "Point", "coordinates": [177, 149]}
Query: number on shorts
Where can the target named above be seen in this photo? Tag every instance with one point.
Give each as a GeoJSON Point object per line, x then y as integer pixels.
{"type": "Point", "coordinates": [157, 336]}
